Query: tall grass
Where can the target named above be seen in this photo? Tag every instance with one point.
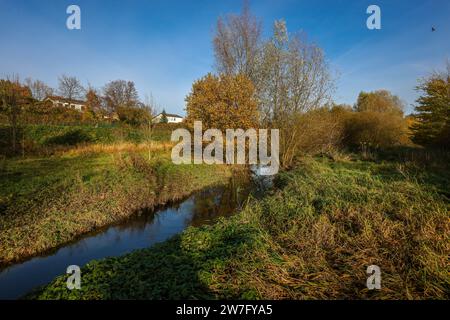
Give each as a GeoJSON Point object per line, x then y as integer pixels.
{"type": "Point", "coordinates": [46, 140]}
{"type": "Point", "coordinates": [312, 238]}
{"type": "Point", "coordinates": [46, 202]}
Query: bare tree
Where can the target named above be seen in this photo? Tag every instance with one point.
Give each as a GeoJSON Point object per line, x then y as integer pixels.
{"type": "Point", "coordinates": [70, 87]}
{"type": "Point", "coordinates": [150, 106]}
{"type": "Point", "coordinates": [39, 89]}
{"type": "Point", "coordinates": [295, 75]}
{"type": "Point", "coordinates": [119, 93]}
{"type": "Point", "coordinates": [294, 79]}
{"type": "Point", "coordinates": [236, 43]}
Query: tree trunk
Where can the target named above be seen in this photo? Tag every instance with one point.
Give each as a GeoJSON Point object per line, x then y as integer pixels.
{"type": "Point", "coordinates": [14, 130]}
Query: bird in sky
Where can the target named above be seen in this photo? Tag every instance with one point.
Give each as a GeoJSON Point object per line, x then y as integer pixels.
{"type": "Point", "coordinates": [433, 29]}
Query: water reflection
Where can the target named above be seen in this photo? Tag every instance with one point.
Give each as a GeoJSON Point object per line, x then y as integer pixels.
{"type": "Point", "coordinates": [140, 231]}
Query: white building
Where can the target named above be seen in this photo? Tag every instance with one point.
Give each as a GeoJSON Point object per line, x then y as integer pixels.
{"type": "Point", "coordinates": [171, 118]}
{"type": "Point", "coordinates": [69, 103]}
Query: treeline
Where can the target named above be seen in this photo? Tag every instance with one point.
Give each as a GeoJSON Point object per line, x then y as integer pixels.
{"type": "Point", "coordinates": [118, 99]}
{"type": "Point", "coordinates": [25, 103]}
{"type": "Point", "coordinates": [285, 83]}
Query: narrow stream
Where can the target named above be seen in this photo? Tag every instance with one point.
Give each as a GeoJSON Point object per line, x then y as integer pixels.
{"type": "Point", "coordinates": [139, 231]}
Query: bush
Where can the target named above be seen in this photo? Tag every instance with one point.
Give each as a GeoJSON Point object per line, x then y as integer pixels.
{"type": "Point", "coordinates": [375, 129]}
{"type": "Point", "coordinates": [318, 131]}
{"type": "Point", "coordinates": [70, 138]}
{"type": "Point", "coordinates": [133, 116]}
{"type": "Point", "coordinates": [326, 130]}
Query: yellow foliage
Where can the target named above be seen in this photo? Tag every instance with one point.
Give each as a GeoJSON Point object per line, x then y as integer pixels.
{"type": "Point", "coordinates": [223, 102]}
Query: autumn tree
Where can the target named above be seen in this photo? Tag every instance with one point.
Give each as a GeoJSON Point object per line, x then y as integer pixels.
{"type": "Point", "coordinates": [70, 87]}
{"type": "Point", "coordinates": [133, 115]}
{"type": "Point", "coordinates": [120, 93]}
{"type": "Point", "coordinates": [223, 102]}
{"type": "Point", "coordinates": [14, 97]}
{"type": "Point", "coordinates": [40, 112]}
{"type": "Point", "coordinates": [94, 104]}
{"type": "Point", "coordinates": [379, 101]}
{"type": "Point", "coordinates": [237, 43]}
{"type": "Point", "coordinates": [290, 75]}
{"type": "Point", "coordinates": [369, 129]}
{"type": "Point", "coordinates": [432, 118]}
{"type": "Point", "coordinates": [377, 121]}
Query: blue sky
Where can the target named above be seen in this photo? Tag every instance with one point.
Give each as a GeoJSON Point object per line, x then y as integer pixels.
{"type": "Point", "coordinates": [164, 45]}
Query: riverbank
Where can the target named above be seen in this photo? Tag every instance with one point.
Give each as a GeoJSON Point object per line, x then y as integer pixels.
{"type": "Point", "coordinates": [312, 238]}
{"type": "Point", "coordinates": [49, 201]}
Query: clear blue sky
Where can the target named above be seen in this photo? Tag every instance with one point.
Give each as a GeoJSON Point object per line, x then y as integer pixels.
{"type": "Point", "coordinates": [164, 45]}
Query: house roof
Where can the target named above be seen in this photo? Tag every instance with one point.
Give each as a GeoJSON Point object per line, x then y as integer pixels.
{"type": "Point", "coordinates": [169, 115]}
{"type": "Point", "coordinates": [62, 99]}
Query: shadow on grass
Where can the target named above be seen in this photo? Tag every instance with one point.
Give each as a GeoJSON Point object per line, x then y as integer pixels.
{"type": "Point", "coordinates": [180, 268]}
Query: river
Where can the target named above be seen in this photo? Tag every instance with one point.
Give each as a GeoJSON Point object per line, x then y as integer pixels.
{"type": "Point", "coordinates": [139, 231]}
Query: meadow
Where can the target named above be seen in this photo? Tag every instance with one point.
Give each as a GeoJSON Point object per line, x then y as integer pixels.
{"type": "Point", "coordinates": [63, 190]}
{"type": "Point", "coordinates": [311, 237]}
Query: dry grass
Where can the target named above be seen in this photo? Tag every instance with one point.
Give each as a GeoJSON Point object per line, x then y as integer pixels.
{"type": "Point", "coordinates": [312, 239]}
{"type": "Point", "coordinates": [48, 202]}
{"type": "Point", "coordinates": [122, 147]}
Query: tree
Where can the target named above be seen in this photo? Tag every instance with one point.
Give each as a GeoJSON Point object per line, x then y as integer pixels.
{"type": "Point", "coordinates": [39, 89]}
{"type": "Point", "coordinates": [147, 127]}
{"type": "Point", "coordinates": [120, 93]}
{"type": "Point", "coordinates": [294, 79]}
{"type": "Point", "coordinates": [94, 104]}
{"type": "Point", "coordinates": [432, 117]}
{"type": "Point", "coordinates": [13, 98]}
{"type": "Point", "coordinates": [70, 87]}
{"type": "Point", "coordinates": [290, 75]}
{"type": "Point", "coordinates": [41, 112]}
{"type": "Point", "coordinates": [134, 116]}
{"type": "Point", "coordinates": [236, 44]}
{"type": "Point", "coordinates": [164, 117]}
{"type": "Point", "coordinates": [377, 121]}
{"type": "Point", "coordinates": [379, 101]}
{"type": "Point", "coordinates": [223, 102]}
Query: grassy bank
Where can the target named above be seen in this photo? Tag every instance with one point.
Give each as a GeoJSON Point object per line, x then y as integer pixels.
{"type": "Point", "coordinates": [312, 238]}
{"type": "Point", "coordinates": [44, 140]}
{"type": "Point", "coordinates": [49, 201]}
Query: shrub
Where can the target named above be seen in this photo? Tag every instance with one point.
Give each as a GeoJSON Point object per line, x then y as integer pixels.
{"type": "Point", "coordinates": [375, 129]}
{"type": "Point", "coordinates": [317, 131]}
{"type": "Point", "coordinates": [70, 138]}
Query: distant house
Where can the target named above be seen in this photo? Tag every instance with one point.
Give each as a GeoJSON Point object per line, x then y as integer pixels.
{"type": "Point", "coordinates": [69, 103]}
{"type": "Point", "coordinates": [171, 118]}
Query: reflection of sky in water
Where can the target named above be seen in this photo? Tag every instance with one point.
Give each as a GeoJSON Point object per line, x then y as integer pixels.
{"type": "Point", "coordinates": [136, 233]}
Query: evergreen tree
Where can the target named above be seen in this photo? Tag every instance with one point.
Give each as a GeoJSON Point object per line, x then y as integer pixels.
{"type": "Point", "coordinates": [432, 117]}
{"type": "Point", "coordinates": [164, 117]}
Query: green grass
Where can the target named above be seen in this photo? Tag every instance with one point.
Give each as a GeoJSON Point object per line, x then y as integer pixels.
{"type": "Point", "coordinates": [311, 238]}
{"type": "Point", "coordinates": [43, 139]}
{"type": "Point", "coordinates": [46, 202]}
